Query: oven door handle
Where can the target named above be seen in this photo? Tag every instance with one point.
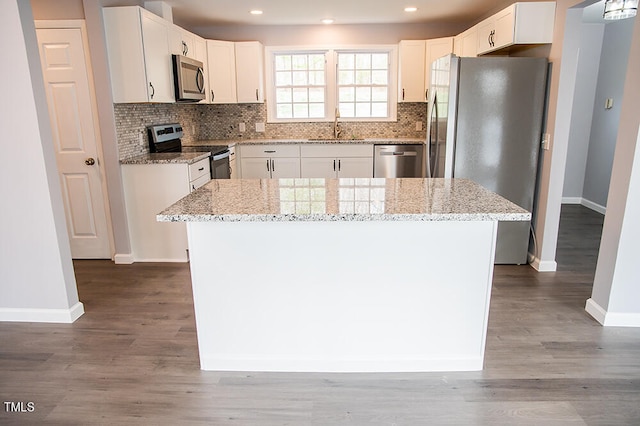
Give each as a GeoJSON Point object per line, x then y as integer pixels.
{"type": "Point", "coordinates": [221, 156]}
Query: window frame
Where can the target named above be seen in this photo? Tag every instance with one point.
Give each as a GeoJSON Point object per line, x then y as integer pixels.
{"type": "Point", "coordinates": [331, 82]}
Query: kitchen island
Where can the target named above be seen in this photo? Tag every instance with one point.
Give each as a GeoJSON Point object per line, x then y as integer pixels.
{"type": "Point", "coordinates": [342, 275]}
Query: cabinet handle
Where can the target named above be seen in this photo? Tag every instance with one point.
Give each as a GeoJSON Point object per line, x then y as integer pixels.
{"type": "Point", "coordinates": [213, 96]}
{"type": "Point", "coordinates": [339, 165]}
{"type": "Point", "coordinates": [257, 97]}
{"type": "Point", "coordinates": [153, 90]}
{"type": "Point", "coordinates": [334, 165]}
{"type": "Point", "coordinates": [201, 169]}
{"type": "Point", "coordinates": [269, 151]}
{"type": "Point", "coordinates": [268, 167]}
{"type": "Point", "coordinates": [185, 48]}
{"type": "Point", "coordinates": [403, 94]}
{"type": "Point", "coordinates": [273, 165]}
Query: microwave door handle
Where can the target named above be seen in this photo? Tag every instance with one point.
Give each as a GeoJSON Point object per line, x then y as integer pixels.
{"type": "Point", "coordinates": [200, 80]}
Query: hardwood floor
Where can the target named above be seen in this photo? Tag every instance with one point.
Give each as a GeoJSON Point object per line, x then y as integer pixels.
{"type": "Point", "coordinates": [132, 359]}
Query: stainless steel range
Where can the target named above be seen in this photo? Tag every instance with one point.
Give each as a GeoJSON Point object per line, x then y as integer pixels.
{"type": "Point", "coordinates": [167, 138]}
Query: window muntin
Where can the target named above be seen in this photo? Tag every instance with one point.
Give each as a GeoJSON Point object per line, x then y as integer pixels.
{"type": "Point", "coordinates": [300, 90]}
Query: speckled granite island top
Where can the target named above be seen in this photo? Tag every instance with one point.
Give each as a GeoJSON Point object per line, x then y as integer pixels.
{"type": "Point", "coordinates": [377, 199]}
{"type": "Point", "coordinates": [167, 158]}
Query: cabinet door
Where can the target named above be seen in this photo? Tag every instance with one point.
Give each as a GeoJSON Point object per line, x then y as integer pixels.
{"type": "Point", "coordinates": [505, 27]}
{"type": "Point", "coordinates": [285, 168]}
{"type": "Point", "coordinates": [355, 167]}
{"type": "Point", "coordinates": [155, 39]}
{"type": "Point", "coordinates": [221, 62]}
{"type": "Point", "coordinates": [411, 79]}
{"type": "Point", "coordinates": [436, 48]}
{"type": "Point", "coordinates": [249, 72]}
{"type": "Point", "coordinates": [200, 54]}
{"type": "Point", "coordinates": [486, 35]}
{"type": "Point", "coordinates": [466, 43]}
{"type": "Point", "coordinates": [318, 167]}
{"type": "Point", "coordinates": [255, 168]}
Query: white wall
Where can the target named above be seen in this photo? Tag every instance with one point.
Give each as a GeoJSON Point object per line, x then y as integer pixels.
{"type": "Point", "coordinates": [604, 128]}
{"type": "Point", "coordinates": [37, 281]}
{"type": "Point", "coordinates": [589, 51]}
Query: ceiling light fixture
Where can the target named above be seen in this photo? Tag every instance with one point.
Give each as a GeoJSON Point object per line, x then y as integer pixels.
{"type": "Point", "coordinates": [327, 21]}
{"type": "Point", "coordinates": [620, 9]}
{"type": "Point", "coordinates": [256, 12]}
{"type": "Point", "coordinates": [410, 9]}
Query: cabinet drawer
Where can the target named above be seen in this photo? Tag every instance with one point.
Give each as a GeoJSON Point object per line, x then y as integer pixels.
{"type": "Point", "coordinates": [268, 151]}
{"type": "Point", "coordinates": [197, 183]}
{"type": "Point", "coordinates": [341, 151]}
{"type": "Point", "coordinates": [199, 169]}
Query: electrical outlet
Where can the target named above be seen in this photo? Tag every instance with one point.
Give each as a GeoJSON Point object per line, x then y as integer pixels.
{"type": "Point", "coordinates": [260, 127]}
{"type": "Point", "coordinates": [193, 129]}
{"type": "Point", "coordinates": [141, 138]}
{"type": "Point", "coordinates": [242, 127]}
{"type": "Point", "coordinates": [418, 125]}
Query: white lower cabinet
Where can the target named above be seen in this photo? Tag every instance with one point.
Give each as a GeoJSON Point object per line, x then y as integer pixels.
{"type": "Point", "coordinates": [270, 161]}
{"type": "Point", "coordinates": [331, 161]}
{"type": "Point", "coordinates": [149, 189]}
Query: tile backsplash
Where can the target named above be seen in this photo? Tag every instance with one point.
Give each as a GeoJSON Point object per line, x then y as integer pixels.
{"type": "Point", "coordinates": [206, 122]}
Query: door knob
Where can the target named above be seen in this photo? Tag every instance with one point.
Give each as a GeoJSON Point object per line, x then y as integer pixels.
{"type": "Point", "coordinates": [89, 161]}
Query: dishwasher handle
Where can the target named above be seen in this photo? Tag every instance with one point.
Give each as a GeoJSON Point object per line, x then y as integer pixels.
{"type": "Point", "coordinates": [399, 153]}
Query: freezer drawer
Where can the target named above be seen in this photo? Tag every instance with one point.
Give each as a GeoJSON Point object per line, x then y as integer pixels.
{"type": "Point", "coordinates": [398, 161]}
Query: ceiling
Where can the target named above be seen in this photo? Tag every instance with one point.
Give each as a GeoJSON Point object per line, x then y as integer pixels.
{"type": "Point", "coordinates": [196, 13]}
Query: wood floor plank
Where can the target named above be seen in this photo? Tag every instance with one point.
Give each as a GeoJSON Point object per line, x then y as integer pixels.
{"type": "Point", "coordinates": [132, 358]}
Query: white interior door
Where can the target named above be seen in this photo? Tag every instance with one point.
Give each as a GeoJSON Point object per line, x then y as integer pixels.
{"type": "Point", "coordinates": [75, 137]}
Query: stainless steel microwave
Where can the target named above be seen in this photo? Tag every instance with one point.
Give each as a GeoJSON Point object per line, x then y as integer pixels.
{"type": "Point", "coordinates": [188, 79]}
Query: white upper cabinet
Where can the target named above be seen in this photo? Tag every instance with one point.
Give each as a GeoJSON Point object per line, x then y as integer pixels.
{"type": "Point", "coordinates": [520, 23]}
{"type": "Point", "coordinates": [466, 43]}
{"type": "Point", "coordinates": [436, 48]}
{"type": "Point", "coordinates": [139, 55]}
{"type": "Point", "coordinates": [181, 42]}
{"type": "Point", "coordinates": [221, 61]}
{"type": "Point", "coordinates": [411, 82]}
{"type": "Point", "coordinates": [249, 72]}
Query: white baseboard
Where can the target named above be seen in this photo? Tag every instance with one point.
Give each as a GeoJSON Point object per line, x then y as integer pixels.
{"type": "Point", "coordinates": [584, 202]}
{"type": "Point", "coordinates": [571, 200]}
{"type": "Point", "coordinates": [593, 206]}
{"type": "Point", "coordinates": [123, 259]}
{"type": "Point", "coordinates": [42, 315]}
{"type": "Point", "coordinates": [611, 319]}
{"type": "Point", "coordinates": [543, 265]}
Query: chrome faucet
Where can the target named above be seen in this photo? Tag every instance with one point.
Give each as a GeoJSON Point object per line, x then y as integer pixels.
{"type": "Point", "coordinates": [336, 126]}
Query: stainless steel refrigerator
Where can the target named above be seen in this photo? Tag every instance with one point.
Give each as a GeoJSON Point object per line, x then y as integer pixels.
{"type": "Point", "coordinates": [485, 124]}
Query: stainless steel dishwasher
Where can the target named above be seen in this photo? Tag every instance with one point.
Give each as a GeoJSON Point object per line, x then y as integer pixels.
{"type": "Point", "coordinates": [397, 161]}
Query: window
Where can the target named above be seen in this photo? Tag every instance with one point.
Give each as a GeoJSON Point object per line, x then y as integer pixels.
{"type": "Point", "coordinates": [300, 85]}
{"type": "Point", "coordinates": [312, 85]}
{"type": "Point", "coordinates": [363, 85]}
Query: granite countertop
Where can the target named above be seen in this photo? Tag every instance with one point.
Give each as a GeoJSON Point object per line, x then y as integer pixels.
{"type": "Point", "coordinates": [167, 158]}
{"type": "Point", "coordinates": [327, 141]}
{"type": "Point", "coordinates": [376, 199]}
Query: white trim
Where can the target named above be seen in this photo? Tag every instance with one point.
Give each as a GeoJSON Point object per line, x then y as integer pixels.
{"type": "Point", "coordinates": [123, 259]}
{"type": "Point", "coordinates": [543, 265]}
{"type": "Point", "coordinates": [331, 82]}
{"type": "Point", "coordinates": [571, 200]}
{"type": "Point", "coordinates": [584, 202]}
{"type": "Point", "coordinates": [611, 319]}
{"type": "Point", "coordinates": [42, 315]}
{"type": "Point", "coordinates": [593, 206]}
{"type": "Point", "coordinates": [347, 366]}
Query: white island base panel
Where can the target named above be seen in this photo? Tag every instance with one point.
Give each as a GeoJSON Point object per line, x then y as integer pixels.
{"type": "Point", "coordinates": [373, 296]}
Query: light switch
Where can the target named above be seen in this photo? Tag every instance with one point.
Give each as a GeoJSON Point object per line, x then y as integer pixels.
{"type": "Point", "coordinates": [608, 104]}
{"type": "Point", "coordinates": [418, 125]}
{"type": "Point", "coordinates": [260, 127]}
{"type": "Point", "coordinates": [242, 127]}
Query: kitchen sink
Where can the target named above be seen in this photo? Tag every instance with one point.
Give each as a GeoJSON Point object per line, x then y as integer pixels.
{"type": "Point", "coordinates": [334, 139]}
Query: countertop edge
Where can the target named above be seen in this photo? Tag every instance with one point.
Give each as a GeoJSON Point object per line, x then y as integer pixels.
{"type": "Point", "coordinates": [171, 158]}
